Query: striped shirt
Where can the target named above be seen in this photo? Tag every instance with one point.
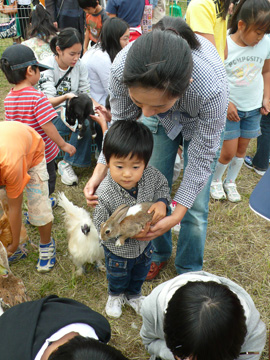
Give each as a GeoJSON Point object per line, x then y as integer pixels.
{"type": "Point", "coordinates": [31, 107]}
{"type": "Point", "coordinates": [200, 114]}
{"type": "Point", "coordinates": [151, 187]}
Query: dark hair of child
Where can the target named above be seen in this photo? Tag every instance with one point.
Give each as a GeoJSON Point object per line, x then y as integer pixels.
{"type": "Point", "coordinates": [160, 60]}
{"type": "Point", "coordinates": [128, 137]}
{"type": "Point", "coordinates": [112, 30]}
{"type": "Point", "coordinates": [88, 3]}
{"type": "Point", "coordinates": [254, 13]}
{"type": "Point", "coordinates": [205, 321]}
{"type": "Point", "coordinates": [41, 24]}
{"type": "Point", "coordinates": [80, 348]}
{"type": "Point", "coordinates": [14, 76]}
{"type": "Point", "coordinates": [65, 39]}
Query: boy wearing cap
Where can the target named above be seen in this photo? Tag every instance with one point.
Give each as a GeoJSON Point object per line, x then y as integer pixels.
{"type": "Point", "coordinates": [27, 105]}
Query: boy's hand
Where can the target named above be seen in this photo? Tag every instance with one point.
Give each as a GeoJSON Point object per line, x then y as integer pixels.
{"type": "Point", "coordinates": [232, 114]}
{"type": "Point", "coordinates": [159, 209]}
{"type": "Point", "coordinates": [70, 149]}
{"type": "Point", "coordinates": [100, 119]}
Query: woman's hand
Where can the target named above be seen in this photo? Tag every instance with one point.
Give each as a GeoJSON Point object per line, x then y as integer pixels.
{"type": "Point", "coordinates": [232, 113]}
{"type": "Point", "coordinates": [100, 119]}
{"type": "Point", "coordinates": [104, 112]}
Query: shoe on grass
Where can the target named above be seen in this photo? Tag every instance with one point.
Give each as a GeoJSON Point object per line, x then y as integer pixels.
{"type": "Point", "coordinates": [135, 303]}
{"type": "Point", "coordinates": [248, 161]}
{"type": "Point", "coordinates": [231, 191]}
{"type": "Point", "coordinates": [19, 254]}
{"type": "Point", "coordinates": [68, 176]}
{"type": "Point", "coordinates": [154, 270]}
{"type": "Point", "coordinates": [217, 191]}
{"type": "Point", "coordinates": [53, 201]}
{"type": "Point", "coordinates": [114, 305]}
{"type": "Point", "coordinates": [46, 259]}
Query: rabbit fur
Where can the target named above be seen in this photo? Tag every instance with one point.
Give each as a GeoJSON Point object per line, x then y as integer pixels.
{"type": "Point", "coordinates": [83, 240]}
{"type": "Point", "coordinates": [80, 107]}
{"type": "Point", "coordinates": [126, 222]}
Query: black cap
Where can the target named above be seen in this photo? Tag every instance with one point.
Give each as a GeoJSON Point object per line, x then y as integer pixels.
{"type": "Point", "coordinates": [21, 56]}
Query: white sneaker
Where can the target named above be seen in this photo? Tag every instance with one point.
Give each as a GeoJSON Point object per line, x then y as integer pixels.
{"type": "Point", "coordinates": [231, 191]}
{"type": "Point", "coordinates": [114, 305]}
{"type": "Point", "coordinates": [135, 303]}
{"type": "Point", "coordinates": [68, 176]}
{"type": "Point", "coordinates": [217, 191]}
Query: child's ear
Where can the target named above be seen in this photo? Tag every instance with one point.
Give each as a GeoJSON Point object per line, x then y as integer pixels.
{"type": "Point", "coordinates": [29, 70]}
{"type": "Point", "coordinates": [241, 25]}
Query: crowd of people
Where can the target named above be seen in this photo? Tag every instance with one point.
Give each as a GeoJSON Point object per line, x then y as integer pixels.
{"type": "Point", "coordinates": [202, 84]}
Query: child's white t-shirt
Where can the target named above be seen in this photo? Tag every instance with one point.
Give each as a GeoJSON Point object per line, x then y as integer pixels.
{"type": "Point", "coordinates": [244, 71]}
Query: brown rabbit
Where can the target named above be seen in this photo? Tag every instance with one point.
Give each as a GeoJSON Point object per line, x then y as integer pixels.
{"type": "Point", "coordinates": [126, 222]}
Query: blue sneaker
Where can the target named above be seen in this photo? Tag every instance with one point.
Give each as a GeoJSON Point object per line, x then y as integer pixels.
{"type": "Point", "coordinates": [249, 164]}
{"type": "Point", "coordinates": [17, 255]}
{"type": "Point", "coordinates": [46, 259]}
{"type": "Point", "coordinates": [26, 220]}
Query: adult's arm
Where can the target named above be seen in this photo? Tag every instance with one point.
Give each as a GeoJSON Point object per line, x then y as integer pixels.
{"type": "Point", "coordinates": [50, 6]}
{"type": "Point", "coordinates": [111, 8]}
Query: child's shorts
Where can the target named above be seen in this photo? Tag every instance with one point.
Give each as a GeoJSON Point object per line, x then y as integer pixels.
{"type": "Point", "coordinates": [248, 127]}
{"type": "Point", "coordinates": [37, 192]}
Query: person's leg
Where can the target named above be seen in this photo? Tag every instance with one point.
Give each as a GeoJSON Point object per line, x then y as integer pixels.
{"type": "Point", "coordinates": [52, 176]}
{"type": "Point", "coordinates": [163, 158]}
{"type": "Point", "coordinates": [261, 158]}
{"type": "Point", "coordinates": [40, 214]}
{"type": "Point", "coordinates": [191, 239]}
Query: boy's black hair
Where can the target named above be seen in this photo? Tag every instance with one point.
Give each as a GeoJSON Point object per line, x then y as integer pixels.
{"type": "Point", "coordinates": [128, 137]}
{"type": "Point", "coordinates": [88, 3]}
{"type": "Point", "coordinates": [14, 76]}
{"type": "Point", "coordinates": [81, 348]}
{"type": "Point", "coordinates": [205, 321]}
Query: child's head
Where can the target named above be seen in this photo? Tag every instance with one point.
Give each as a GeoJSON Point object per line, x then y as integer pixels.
{"type": "Point", "coordinates": [251, 16]}
{"type": "Point", "coordinates": [114, 36]}
{"type": "Point", "coordinates": [205, 321]}
{"type": "Point", "coordinates": [17, 61]}
{"type": "Point", "coordinates": [89, 6]}
{"type": "Point", "coordinates": [67, 46]}
{"type": "Point", "coordinates": [41, 23]}
{"type": "Point", "coordinates": [127, 146]}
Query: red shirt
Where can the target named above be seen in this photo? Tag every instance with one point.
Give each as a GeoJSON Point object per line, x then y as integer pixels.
{"type": "Point", "coordinates": [31, 107]}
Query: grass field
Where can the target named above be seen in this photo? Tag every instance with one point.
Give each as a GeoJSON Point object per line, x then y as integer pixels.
{"type": "Point", "coordinates": [237, 247]}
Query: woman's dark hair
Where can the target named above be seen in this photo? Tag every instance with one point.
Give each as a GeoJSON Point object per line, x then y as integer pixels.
{"type": "Point", "coordinates": [128, 137]}
{"type": "Point", "coordinates": [254, 13]}
{"type": "Point", "coordinates": [41, 24]}
{"type": "Point", "coordinates": [112, 30]}
{"type": "Point", "coordinates": [205, 321]}
{"type": "Point", "coordinates": [81, 348]}
{"type": "Point", "coordinates": [181, 27]}
{"type": "Point", "coordinates": [65, 39]}
{"type": "Point", "coordinates": [224, 8]}
{"type": "Point", "coordinates": [160, 60]}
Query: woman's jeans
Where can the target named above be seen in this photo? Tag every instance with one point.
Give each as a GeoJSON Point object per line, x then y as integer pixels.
{"type": "Point", "coordinates": [191, 240]}
{"type": "Point", "coordinates": [261, 158]}
{"type": "Point", "coordinates": [82, 157]}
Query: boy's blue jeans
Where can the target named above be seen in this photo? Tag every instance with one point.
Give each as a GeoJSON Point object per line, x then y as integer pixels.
{"type": "Point", "coordinates": [126, 276]}
{"type": "Point", "coordinates": [82, 157]}
{"type": "Point", "coordinates": [191, 240]}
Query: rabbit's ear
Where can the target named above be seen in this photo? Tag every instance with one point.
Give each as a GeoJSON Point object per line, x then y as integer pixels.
{"type": "Point", "coordinates": [119, 214]}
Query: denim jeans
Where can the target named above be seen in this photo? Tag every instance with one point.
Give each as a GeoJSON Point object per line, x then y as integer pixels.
{"type": "Point", "coordinates": [82, 157]}
{"type": "Point", "coordinates": [191, 239]}
{"type": "Point", "coordinates": [261, 158]}
{"type": "Point", "coordinates": [126, 276]}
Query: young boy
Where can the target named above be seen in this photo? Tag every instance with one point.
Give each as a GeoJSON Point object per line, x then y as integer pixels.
{"type": "Point", "coordinates": [23, 165]}
{"type": "Point", "coordinates": [26, 104]}
{"type": "Point", "coordinates": [127, 148]}
{"type": "Point", "coordinates": [95, 17]}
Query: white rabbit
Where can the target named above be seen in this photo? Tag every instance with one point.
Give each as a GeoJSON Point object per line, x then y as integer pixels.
{"type": "Point", "coordinates": [126, 222]}
{"type": "Point", "coordinates": [83, 242]}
